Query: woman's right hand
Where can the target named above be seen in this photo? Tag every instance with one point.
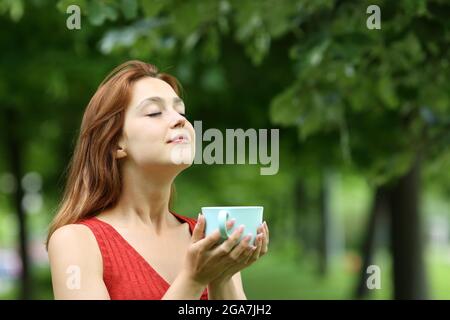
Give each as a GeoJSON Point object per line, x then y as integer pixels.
{"type": "Point", "coordinates": [206, 259]}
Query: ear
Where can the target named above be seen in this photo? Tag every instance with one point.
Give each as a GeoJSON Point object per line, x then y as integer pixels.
{"type": "Point", "coordinates": [120, 153]}
{"type": "Point", "coordinates": [121, 148]}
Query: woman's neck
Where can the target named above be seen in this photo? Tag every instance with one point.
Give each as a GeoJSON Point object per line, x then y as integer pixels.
{"type": "Point", "coordinates": [145, 199]}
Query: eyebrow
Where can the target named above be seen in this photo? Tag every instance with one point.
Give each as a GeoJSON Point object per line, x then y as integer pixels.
{"type": "Point", "coordinates": [159, 100]}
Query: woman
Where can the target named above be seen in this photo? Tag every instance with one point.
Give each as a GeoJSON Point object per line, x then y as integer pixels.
{"type": "Point", "coordinates": [114, 236]}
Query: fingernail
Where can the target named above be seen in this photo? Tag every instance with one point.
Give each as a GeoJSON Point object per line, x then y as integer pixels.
{"type": "Point", "coordinates": [241, 228]}
{"type": "Point", "coordinates": [248, 237]}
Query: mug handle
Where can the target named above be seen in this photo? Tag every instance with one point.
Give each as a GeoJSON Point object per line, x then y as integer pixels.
{"type": "Point", "coordinates": [223, 217]}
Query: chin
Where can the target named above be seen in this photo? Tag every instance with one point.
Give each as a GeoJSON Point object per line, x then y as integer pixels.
{"type": "Point", "coordinates": [182, 155]}
{"type": "Point", "coordinates": [176, 169]}
{"type": "Point", "coordinates": [186, 163]}
{"type": "Point", "coordinates": [166, 168]}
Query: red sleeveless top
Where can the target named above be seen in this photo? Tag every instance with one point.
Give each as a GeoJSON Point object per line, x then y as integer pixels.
{"type": "Point", "coordinates": [127, 275]}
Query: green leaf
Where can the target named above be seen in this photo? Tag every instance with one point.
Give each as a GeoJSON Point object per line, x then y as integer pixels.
{"type": "Point", "coordinates": [211, 47]}
{"type": "Point", "coordinates": [62, 5]}
{"type": "Point", "coordinates": [315, 56]}
{"type": "Point", "coordinates": [413, 8]}
{"type": "Point", "coordinates": [193, 16]}
{"type": "Point", "coordinates": [15, 8]}
{"type": "Point", "coordinates": [387, 92]}
{"type": "Point", "coordinates": [99, 12]}
{"type": "Point", "coordinates": [129, 8]}
{"type": "Point", "coordinates": [285, 107]}
{"type": "Point", "coordinates": [152, 8]}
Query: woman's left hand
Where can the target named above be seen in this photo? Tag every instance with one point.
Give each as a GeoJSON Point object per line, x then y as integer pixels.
{"type": "Point", "coordinates": [260, 248]}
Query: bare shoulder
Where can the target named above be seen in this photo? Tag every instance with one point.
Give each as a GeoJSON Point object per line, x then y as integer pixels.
{"type": "Point", "coordinates": [74, 244]}
{"type": "Point", "coordinates": [71, 236]}
{"type": "Point", "coordinates": [76, 264]}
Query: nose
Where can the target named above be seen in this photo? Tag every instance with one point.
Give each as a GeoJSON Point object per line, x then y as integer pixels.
{"type": "Point", "coordinates": [178, 121]}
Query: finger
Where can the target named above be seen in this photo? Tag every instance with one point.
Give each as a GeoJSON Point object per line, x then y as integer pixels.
{"type": "Point", "coordinates": [265, 244]}
{"type": "Point", "coordinates": [267, 231]}
{"type": "Point", "coordinates": [257, 249]}
{"type": "Point", "coordinates": [209, 241]}
{"type": "Point", "coordinates": [214, 237]}
{"type": "Point", "coordinates": [240, 255]}
{"type": "Point", "coordinates": [229, 244]}
{"type": "Point", "coordinates": [260, 229]}
{"type": "Point", "coordinates": [199, 229]}
{"type": "Point", "coordinates": [235, 267]}
{"type": "Point", "coordinates": [265, 240]}
{"type": "Point", "coordinates": [252, 250]}
{"type": "Point", "coordinates": [240, 251]}
{"type": "Point", "coordinates": [249, 252]}
{"type": "Point", "coordinates": [230, 223]}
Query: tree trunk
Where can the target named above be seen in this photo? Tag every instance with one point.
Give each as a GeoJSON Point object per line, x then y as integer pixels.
{"type": "Point", "coordinates": [379, 207]}
{"type": "Point", "coordinates": [299, 220]}
{"type": "Point", "coordinates": [324, 231]}
{"type": "Point", "coordinates": [14, 149]}
{"type": "Point", "coordinates": [406, 237]}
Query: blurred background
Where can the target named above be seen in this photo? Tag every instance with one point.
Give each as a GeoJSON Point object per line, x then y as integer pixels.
{"type": "Point", "coordinates": [364, 119]}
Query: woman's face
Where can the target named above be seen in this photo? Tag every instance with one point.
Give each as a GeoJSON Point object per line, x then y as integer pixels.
{"type": "Point", "coordinates": [156, 133]}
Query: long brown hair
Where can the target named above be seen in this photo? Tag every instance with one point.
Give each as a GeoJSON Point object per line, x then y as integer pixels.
{"type": "Point", "coordinates": [94, 180]}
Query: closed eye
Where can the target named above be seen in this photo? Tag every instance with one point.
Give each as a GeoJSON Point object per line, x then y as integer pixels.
{"type": "Point", "coordinates": [158, 113]}
{"type": "Point", "coordinates": [154, 114]}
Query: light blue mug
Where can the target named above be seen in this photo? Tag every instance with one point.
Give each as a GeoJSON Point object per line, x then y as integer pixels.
{"type": "Point", "coordinates": [217, 217]}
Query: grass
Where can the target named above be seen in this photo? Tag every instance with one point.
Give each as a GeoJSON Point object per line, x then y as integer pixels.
{"type": "Point", "coordinates": [438, 267]}
{"type": "Point", "coordinates": [276, 276]}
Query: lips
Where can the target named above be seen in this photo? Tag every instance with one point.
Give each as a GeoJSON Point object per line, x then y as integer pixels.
{"type": "Point", "coordinates": [179, 138]}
